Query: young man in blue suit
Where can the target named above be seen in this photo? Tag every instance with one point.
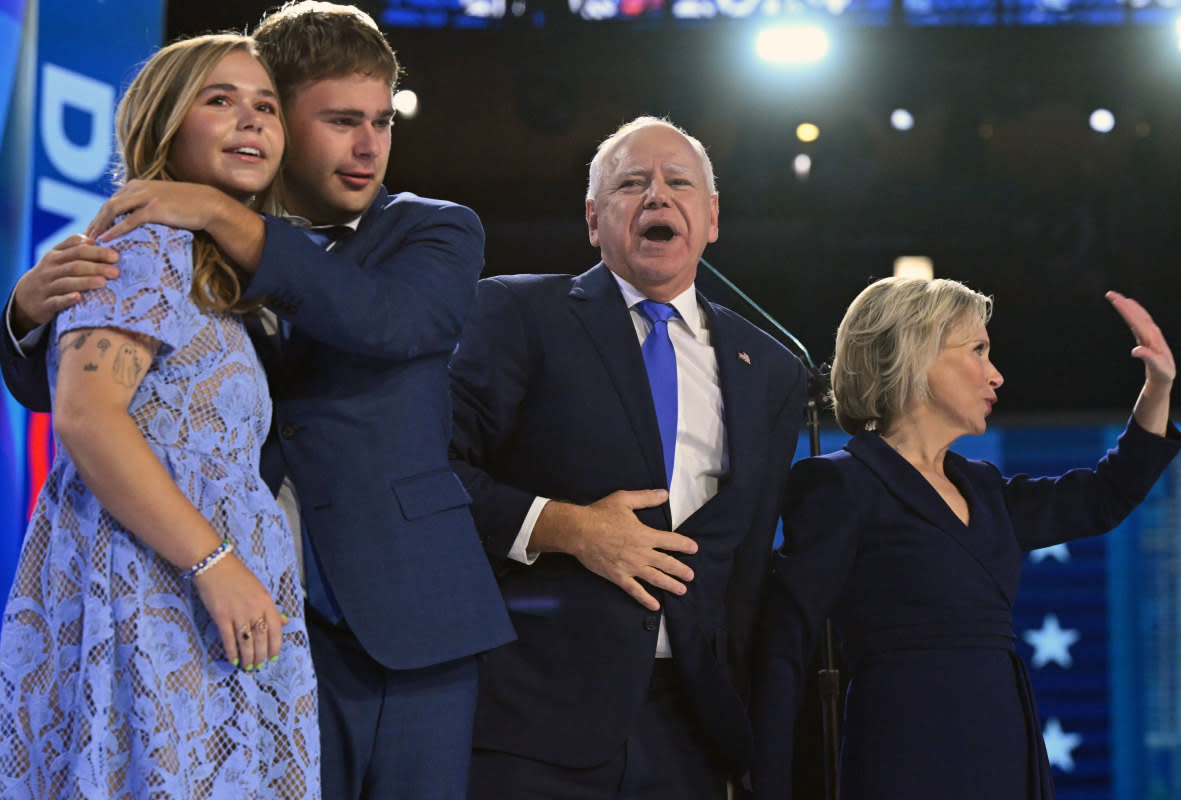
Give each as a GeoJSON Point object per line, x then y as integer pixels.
{"type": "Point", "coordinates": [366, 293]}
{"type": "Point", "coordinates": [626, 476]}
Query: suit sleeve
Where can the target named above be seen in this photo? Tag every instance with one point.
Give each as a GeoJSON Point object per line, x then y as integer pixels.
{"type": "Point", "coordinates": [821, 527]}
{"type": "Point", "coordinates": [401, 299]}
{"type": "Point", "coordinates": [489, 383]}
{"type": "Point", "coordinates": [26, 376]}
{"type": "Point", "coordinates": [1089, 502]}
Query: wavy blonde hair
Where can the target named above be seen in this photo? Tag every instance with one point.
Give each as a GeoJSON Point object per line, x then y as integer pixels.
{"type": "Point", "coordinates": [887, 343]}
{"type": "Point", "coordinates": [146, 122]}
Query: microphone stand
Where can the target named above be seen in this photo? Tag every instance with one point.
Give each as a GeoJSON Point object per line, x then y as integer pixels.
{"type": "Point", "coordinates": [829, 676]}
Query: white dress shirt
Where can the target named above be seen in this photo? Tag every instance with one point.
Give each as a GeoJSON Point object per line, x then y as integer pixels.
{"type": "Point", "coordinates": [701, 459]}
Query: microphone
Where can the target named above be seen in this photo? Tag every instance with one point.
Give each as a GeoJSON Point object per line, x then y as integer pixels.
{"type": "Point", "coordinates": [818, 375]}
{"type": "Point", "coordinates": [828, 676]}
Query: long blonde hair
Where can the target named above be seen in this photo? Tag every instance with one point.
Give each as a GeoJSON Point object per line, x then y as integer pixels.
{"type": "Point", "coordinates": [148, 118]}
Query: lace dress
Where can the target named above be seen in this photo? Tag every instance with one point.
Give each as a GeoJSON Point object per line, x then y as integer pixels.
{"type": "Point", "coordinates": [113, 681]}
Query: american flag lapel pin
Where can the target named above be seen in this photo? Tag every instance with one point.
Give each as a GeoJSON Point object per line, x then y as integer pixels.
{"type": "Point", "coordinates": [744, 358]}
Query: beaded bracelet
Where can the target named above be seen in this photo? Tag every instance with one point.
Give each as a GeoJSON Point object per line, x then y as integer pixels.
{"type": "Point", "coordinates": [225, 548]}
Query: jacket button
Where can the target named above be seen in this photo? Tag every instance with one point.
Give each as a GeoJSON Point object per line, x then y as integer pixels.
{"type": "Point", "coordinates": [288, 431]}
{"type": "Point", "coordinates": [651, 622]}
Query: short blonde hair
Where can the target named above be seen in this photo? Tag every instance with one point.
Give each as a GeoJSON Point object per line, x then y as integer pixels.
{"type": "Point", "coordinates": [311, 40]}
{"type": "Point", "coordinates": [887, 343]}
{"type": "Point", "coordinates": [608, 146]}
{"type": "Point", "coordinates": [146, 122]}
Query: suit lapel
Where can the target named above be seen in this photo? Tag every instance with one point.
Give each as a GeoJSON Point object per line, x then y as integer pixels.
{"type": "Point", "coordinates": [743, 387]}
{"type": "Point", "coordinates": [906, 484]}
{"type": "Point", "coordinates": [596, 302]}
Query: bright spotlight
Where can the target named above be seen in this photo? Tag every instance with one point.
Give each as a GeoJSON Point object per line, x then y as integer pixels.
{"type": "Point", "coordinates": [1102, 120]}
{"type": "Point", "coordinates": [406, 103]}
{"type": "Point", "coordinates": [914, 267]}
{"type": "Point", "coordinates": [901, 119]}
{"type": "Point", "coordinates": [792, 45]}
{"type": "Point", "coordinates": [801, 165]}
{"type": "Point", "coordinates": [807, 132]}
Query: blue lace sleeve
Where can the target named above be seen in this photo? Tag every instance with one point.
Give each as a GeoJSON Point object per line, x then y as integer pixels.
{"type": "Point", "coordinates": [150, 296]}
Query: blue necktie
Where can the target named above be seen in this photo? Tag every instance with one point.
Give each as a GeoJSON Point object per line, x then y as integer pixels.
{"type": "Point", "coordinates": [661, 361]}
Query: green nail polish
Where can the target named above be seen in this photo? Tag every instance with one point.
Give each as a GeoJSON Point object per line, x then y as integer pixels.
{"type": "Point", "coordinates": [248, 667]}
{"type": "Point", "coordinates": [274, 658]}
{"type": "Point", "coordinates": [234, 662]}
{"type": "Point", "coordinates": [259, 666]}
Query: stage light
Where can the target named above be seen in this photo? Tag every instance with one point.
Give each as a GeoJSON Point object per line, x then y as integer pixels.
{"type": "Point", "coordinates": [792, 45]}
{"type": "Point", "coordinates": [914, 267]}
{"type": "Point", "coordinates": [807, 132]}
{"type": "Point", "coordinates": [901, 119]}
{"type": "Point", "coordinates": [406, 103]}
{"type": "Point", "coordinates": [1102, 120]}
{"type": "Point", "coordinates": [801, 165]}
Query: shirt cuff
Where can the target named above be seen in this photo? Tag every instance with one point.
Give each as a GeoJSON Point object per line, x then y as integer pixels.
{"type": "Point", "coordinates": [30, 340]}
{"type": "Point", "coordinates": [520, 551]}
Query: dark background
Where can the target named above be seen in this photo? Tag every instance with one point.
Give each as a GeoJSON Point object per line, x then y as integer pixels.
{"type": "Point", "coordinates": [1001, 181]}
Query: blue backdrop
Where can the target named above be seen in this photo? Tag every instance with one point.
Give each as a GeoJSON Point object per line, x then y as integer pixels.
{"type": "Point", "coordinates": [62, 66]}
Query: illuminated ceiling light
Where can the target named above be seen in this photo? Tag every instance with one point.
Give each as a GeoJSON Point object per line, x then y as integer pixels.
{"type": "Point", "coordinates": [801, 165]}
{"type": "Point", "coordinates": [792, 45]}
{"type": "Point", "coordinates": [406, 103]}
{"type": "Point", "coordinates": [914, 267]}
{"type": "Point", "coordinates": [1102, 120]}
{"type": "Point", "coordinates": [807, 132]}
{"type": "Point", "coordinates": [901, 119]}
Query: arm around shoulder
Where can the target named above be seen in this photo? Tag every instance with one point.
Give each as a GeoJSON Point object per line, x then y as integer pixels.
{"type": "Point", "coordinates": [400, 287]}
{"type": "Point", "coordinates": [25, 374]}
{"type": "Point", "coordinates": [490, 374]}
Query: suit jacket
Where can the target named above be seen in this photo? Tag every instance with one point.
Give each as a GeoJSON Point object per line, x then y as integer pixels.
{"type": "Point", "coordinates": [552, 399]}
{"type": "Point", "coordinates": [939, 704]}
{"type": "Point", "coordinates": [362, 418]}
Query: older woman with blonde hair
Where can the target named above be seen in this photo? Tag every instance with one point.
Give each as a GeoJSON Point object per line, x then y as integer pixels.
{"type": "Point", "coordinates": [153, 641]}
{"type": "Point", "coordinates": [916, 553]}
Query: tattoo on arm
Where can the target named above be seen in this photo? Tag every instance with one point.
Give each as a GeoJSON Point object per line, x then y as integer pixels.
{"type": "Point", "coordinates": [76, 341]}
{"type": "Point", "coordinates": [127, 367]}
{"type": "Point", "coordinates": [103, 345]}
{"type": "Point", "coordinates": [90, 367]}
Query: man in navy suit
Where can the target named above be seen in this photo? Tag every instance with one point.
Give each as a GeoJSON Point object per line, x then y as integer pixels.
{"type": "Point", "coordinates": [632, 581]}
{"type": "Point", "coordinates": [360, 328]}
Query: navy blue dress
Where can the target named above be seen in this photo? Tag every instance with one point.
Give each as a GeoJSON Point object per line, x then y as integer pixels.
{"type": "Point", "coordinates": [939, 705]}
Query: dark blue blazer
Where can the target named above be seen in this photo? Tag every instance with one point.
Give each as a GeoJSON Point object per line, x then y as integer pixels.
{"type": "Point", "coordinates": [552, 398]}
{"type": "Point", "coordinates": [939, 704]}
{"type": "Point", "coordinates": [362, 418]}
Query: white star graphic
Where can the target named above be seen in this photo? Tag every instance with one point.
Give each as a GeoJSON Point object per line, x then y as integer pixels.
{"type": "Point", "coordinates": [1051, 643]}
{"type": "Point", "coordinates": [1058, 551]}
{"type": "Point", "coordinates": [1060, 745]}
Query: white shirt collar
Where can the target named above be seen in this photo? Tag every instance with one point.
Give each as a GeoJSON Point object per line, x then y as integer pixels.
{"type": "Point", "coordinates": [304, 222]}
{"type": "Point", "coordinates": [685, 303]}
